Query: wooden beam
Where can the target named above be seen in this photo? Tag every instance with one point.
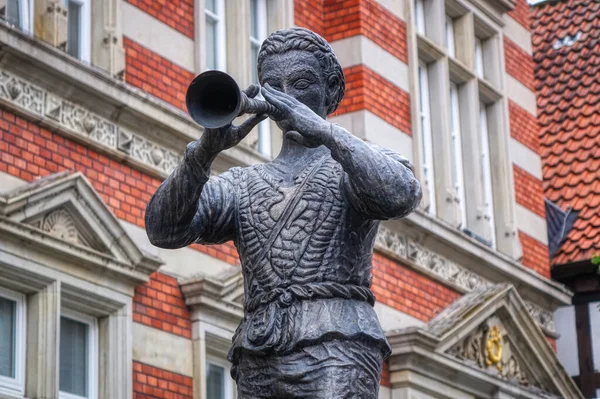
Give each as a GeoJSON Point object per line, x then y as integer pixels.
{"type": "Point", "coordinates": [587, 378]}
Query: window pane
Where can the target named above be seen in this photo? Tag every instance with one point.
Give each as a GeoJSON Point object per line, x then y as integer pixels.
{"type": "Point", "coordinates": [478, 57]}
{"type": "Point", "coordinates": [457, 170]}
{"type": "Point", "coordinates": [74, 29]}
{"type": "Point", "coordinates": [254, 19]}
{"type": "Point", "coordinates": [211, 44]}
{"type": "Point", "coordinates": [74, 357]}
{"type": "Point", "coordinates": [420, 16]}
{"type": "Point", "coordinates": [13, 12]}
{"type": "Point", "coordinates": [450, 36]}
{"type": "Point", "coordinates": [487, 170]}
{"type": "Point", "coordinates": [211, 5]}
{"type": "Point", "coordinates": [427, 140]}
{"type": "Point", "coordinates": [254, 53]}
{"type": "Point", "coordinates": [8, 311]}
{"type": "Point", "coordinates": [215, 382]}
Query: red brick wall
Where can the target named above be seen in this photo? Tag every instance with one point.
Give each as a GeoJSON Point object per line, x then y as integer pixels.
{"type": "Point", "coordinates": [365, 89]}
{"type": "Point", "coordinates": [524, 127]}
{"type": "Point", "coordinates": [154, 383]}
{"type": "Point", "coordinates": [385, 375]}
{"type": "Point", "coordinates": [529, 191]}
{"type": "Point", "coordinates": [409, 291]}
{"type": "Point", "coordinates": [155, 75]}
{"type": "Point", "coordinates": [309, 14]}
{"type": "Point", "coordinates": [178, 14]}
{"type": "Point", "coordinates": [519, 64]}
{"type": "Point", "coordinates": [346, 18]}
{"type": "Point", "coordinates": [535, 254]}
{"type": "Point", "coordinates": [160, 304]}
{"type": "Point", "coordinates": [521, 13]}
{"type": "Point", "coordinates": [28, 151]}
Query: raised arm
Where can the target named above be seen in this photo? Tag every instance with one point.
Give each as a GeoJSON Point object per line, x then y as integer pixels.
{"type": "Point", "coordinates": [379, 182]}
{"type": "Point", "coordinates": [190, 207]}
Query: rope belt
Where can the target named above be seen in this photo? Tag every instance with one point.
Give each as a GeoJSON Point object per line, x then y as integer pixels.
{"type": "Point", "coordinates": [286, 296]}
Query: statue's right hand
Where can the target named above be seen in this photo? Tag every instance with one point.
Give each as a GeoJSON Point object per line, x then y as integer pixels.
{"type": "Point", "coordinates": [223, 138]}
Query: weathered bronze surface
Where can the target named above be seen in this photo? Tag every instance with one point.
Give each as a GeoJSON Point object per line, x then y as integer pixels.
{"type": "Point", "coordinates": [304, 225]}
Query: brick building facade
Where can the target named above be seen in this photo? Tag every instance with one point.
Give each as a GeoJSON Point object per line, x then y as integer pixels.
{"type": "Point", "coordinates": [93, 119]}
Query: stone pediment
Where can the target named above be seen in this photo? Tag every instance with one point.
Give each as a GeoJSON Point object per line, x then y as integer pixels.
{"type": "Point", "coordinates": [64, 214]}
{"type": "Point", "coordinates": [492, 339]}
{"type": "Point", "coordinates": [223, 293]}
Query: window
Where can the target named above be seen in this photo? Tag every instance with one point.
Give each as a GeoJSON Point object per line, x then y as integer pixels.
{"type": "Point", "coordinates": [457, 164]}
{"type": "Point", "coordinates": [420, 16]}
{"type": "Point", "coordinates": [17, 13]}
{"type": "Point", "coordinates": [215, 34]}
{"type": "Point", "coordinates": [486, 167]}
{"type": "Point", "coordinates": [450, 37]}
{"type": "Point", "coordinates": [219, 384]}
{"type": "Point", "coordinates": [258, 33]}
{"type": "Point", "coordinates": [78, 352]}
{"type": "Point", "coordinates": [12, 345]}
{"type": "Point", "coordinates": [479, 58]}
{"type": "Point", "coordinates": [79, 29]}
{"type": "Point", "coordinates": [427, 139]}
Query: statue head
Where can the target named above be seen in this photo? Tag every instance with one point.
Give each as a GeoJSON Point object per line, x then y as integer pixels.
{"type": "Point", "coordinates": [302, 64]}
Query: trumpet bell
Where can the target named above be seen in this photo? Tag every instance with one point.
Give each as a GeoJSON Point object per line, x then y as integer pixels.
{"type": "Point", "coordinates": [213, 99]}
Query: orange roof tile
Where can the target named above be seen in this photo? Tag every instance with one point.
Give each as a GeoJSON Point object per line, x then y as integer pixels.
{"type": "Point", "coordinates": [566, 43]}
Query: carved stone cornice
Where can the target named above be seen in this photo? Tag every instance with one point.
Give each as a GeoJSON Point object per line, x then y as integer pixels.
{"type": "Point", "coordinates": [448, 272]}
{"type": "Point", "coordinates": [78, 121]}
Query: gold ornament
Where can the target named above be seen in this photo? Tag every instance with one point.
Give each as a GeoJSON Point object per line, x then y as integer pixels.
{"type": "Point", "coordinates": [493, 347]}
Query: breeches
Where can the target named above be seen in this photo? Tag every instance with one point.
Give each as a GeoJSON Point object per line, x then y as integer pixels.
{"type": "Point", "coordinates": [331, 370]}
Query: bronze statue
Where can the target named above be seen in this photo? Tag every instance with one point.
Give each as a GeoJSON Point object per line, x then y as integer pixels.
{"type": "Point", "coordinates": [304, 225]}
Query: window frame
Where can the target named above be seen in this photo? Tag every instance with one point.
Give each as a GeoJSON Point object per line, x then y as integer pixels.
{"type": "Point", "coordinates": [426, 136]}
{"type": "Point", "coordinates": [92, 346]}
{"type": "Point", "coordinates": [264, 127]}
{"type": "Point", "coordinates": [229, 383]}
{"type": "Point", "coordinates": [16, 386]}
{"type": "Point", "coordinates": [218, 18]}
{"type": "Point", "coordinates": [85, 29]}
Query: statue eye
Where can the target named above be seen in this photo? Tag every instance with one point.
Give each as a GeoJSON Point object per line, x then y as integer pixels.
{"type": "Point", "coordinates": [301, 84]}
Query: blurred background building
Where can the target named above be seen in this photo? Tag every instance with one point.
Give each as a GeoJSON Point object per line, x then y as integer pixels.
{"type": "Point", "coordinates": [93, 119]}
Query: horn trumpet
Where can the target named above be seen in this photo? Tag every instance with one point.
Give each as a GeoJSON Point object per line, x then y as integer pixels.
{"type": "Point", "coordinates": [214, 99]}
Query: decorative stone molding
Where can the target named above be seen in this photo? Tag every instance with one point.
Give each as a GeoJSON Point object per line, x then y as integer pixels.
{"type": "Point", "coordinates": [447, 271]}
{"type": "Point", "coordinates": [490, 340]}
{"type": "Point", "coordinates": [490, 349]}
{"type": "Point", "coordinates": [83, 122]}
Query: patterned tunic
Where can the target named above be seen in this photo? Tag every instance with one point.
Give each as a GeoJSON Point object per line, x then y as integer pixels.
{"type": "Point", "coordinates": [306, 262]}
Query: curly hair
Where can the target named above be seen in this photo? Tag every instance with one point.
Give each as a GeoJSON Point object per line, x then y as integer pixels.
{"type": "Point", "coordinates": [303, 39]}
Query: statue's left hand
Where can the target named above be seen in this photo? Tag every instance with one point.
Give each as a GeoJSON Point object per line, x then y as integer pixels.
{"type": "Point", "coordinates": [309, 129]}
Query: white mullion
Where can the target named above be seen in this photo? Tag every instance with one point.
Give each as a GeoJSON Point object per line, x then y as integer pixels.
{"type": "Point", "coordinates": [459, 184]}
{"type": "Point", "coordinates": [487, 171]}
{"type": "Point", "coordinates": [26, 15]}
{"type": "Point", "coordinates": [92, 348]}
{"type": "Point", "coordinates": [426, 135]}
{"type": "Point", "coordinates": [16, 386]}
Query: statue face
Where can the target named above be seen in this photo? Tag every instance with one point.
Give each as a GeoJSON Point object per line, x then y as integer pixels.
{"type": "Point", "coordinates": [298, 74]}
